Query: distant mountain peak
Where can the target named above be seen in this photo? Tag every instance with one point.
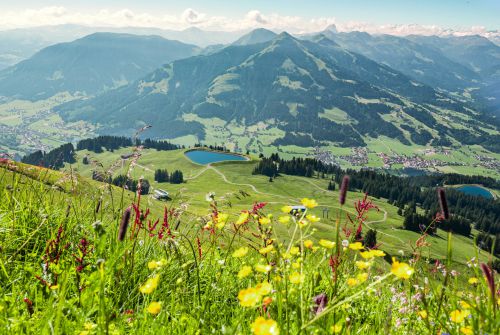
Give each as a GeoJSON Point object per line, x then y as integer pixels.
{"type": "Point", "coordinates": [332, 28]}
{"type": "Point", "coordinates": [256, 36]}
{"type": "Point", "coordinates": [324, 40]}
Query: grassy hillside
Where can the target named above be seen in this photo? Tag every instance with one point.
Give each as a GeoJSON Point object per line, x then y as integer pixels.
{"type": "Point", "coordinates": [208, 268]}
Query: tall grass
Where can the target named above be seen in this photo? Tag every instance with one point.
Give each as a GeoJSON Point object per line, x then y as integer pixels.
{"type": "Point", "coordinates": [68, 268]}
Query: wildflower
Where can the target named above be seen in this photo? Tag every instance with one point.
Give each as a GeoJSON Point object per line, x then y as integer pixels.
{"type": "Point", "coordinates": [262, 326]}
{"type": "Point", "coordinates": [150, 285]}
{"type": "Point", "coordinates": [154, 307]}
{"type": "Point", "coordinates": [286, 209]}
{"type": "Point", "coordinates": [303, 223]}
{"type": "Point", "coordinates": [343, 190]}
{"type": "Point", "coordinates": [345, 243]}
{"type": "Point", "coordinates": [241, 252]}
{"type": "Point", "coordinates": [326, 244]}
{"type": "Point", "coordinates": [249, 297]}
{"type": "Point", "coordinates": [284, 219]}
{"type": "Point", "coordinates": [467, 330]}
{"type": "Point", "coordinates": [320, 302]}
{"type": "Point", "coordinates": [377, 253]}
{"type": "Point", "coordinates": [294, 250]}
{"type": "Point", "coordinates": [423, 314]}
{"type": "Point", "coordinates": [210, 196]}
{"type": "Point", "coordinates": [152, 265]}
{"type": "Point", "coordinates": [124, 224]}
{"type": "Point", "coordinates": [312, 218]}
{"type": "Point", "coordinates": [367, 254]}
{"type": "Point", "coordinates": [296, 278]}
{"type": "Point", "coordinates": [335, 329]}
{"type": "Point", "coordinates": [473, 281]}
{"type": "Point", "coordinates": [264, 288]}
{"type": "Point", "coordinates": [352, 281]}
{"type": "Point", "coordinates": [263, 268]}
{"type": "Point", "coordinates": [308, 244]}
{"type": "Point", "coordinates": [266, 250]}
{"type": "Point", "coordinates": [459, 316]}
{"type": "Point", "coordinates": [488, 275]}
{"type": "Point", "coordinates": [363, 265]}
{"type": "Point", "coordinates": [309, 203]}
{"type": "Point", "coordinates": [443, 203]}
{"type": "Point", "coordinates": [296, 265]}
{"type": "Point", "coordinates": [221, 220]}
{"type": "Point", "coordinates": [264, 220]}
{"type": "Point", "coordinates": [401, 270]}
{"type": "Point", "coordinates": [244, 271]}
{"type": "Point", "coordinates": [356, 246]}
{"type": "Point", "coordinates": [243, 218]}
{"type": "Point", "coordinates": [362, 277]}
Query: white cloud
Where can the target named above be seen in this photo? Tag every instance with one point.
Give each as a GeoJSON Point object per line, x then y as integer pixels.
{"type": "Point", "coordinates": [56, 15]}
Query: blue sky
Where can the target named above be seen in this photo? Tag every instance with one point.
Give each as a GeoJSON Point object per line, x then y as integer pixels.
{"type": "Point", "coordinates": [454, 14]}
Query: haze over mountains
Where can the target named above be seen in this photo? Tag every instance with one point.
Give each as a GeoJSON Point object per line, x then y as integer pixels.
{"type": "Point", "coordinates": [324, 89]}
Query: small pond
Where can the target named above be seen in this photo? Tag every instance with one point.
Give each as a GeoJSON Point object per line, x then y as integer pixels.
{"type": "Point", "coordinates": [475, 190]}
{"type": "Point", "coordinates": [207, 157]}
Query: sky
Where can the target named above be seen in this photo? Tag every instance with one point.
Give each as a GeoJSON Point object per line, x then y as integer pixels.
{"type": "Point", "coordinates": [399, 17]}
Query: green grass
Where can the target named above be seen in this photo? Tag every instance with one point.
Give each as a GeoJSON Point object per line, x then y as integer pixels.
{"type": "Point", "coordinates": [47, 217]}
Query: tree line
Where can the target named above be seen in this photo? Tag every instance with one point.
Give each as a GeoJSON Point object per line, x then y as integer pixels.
{"type": "Point", "coordinates": [162, 176]}
{"type": "Point", "coordinates": [53, 159]}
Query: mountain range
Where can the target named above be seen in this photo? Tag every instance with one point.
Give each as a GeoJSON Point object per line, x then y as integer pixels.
{"type": "Point", "coordinates": [315, 91]}
{"type": "Point", "coordinates": [90, 65]}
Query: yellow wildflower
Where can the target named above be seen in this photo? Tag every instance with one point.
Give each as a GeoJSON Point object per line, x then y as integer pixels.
{"type": "Point", "coordinates": [423, 314]}
{"type": "Point", "coordinates": [261, 326]}
{"type": "Point", "coordinates": [264, 288]}
{"type": "Point", "coordinates": [352, 281]}
{"type": "Point", "coordinates": [312, 218]}
{"type": "Point", "coordinates": [249, 297]}
{"type": "Point", "coordinates": [286, 209]}
{"type": "Point", "coordinates": [367, 254]}
{"type": "Point", "coordinates": [308, 244]}
{"type": "Point", "coordinates": [362, 277]}
{"type": "Point", "coordinates": [221, 220]}
{"type": "Point", "coordinates": [356, 246]}
{"type": "Point", "coordinates": [473, 281]}
{"type": "Point", "coordinates": [152, 265]}
{"type": "Point", "coordinates": [284, 219]}
{"type": "Point", "coordinates": [241, 252]}
{"type": "Point", "coordinates": [154, 307]}
{"type": "Point", "coordinates": [296, 265]}
{"type": "Point", "coordinates": [459, 316]}
{"type": "Point", "coordinates": [264, 220]}
{"type": "Point", "coordinates": [401, 270]}
{"type": "Point", "coordinates": [267, 300]}
{"type": "Point", "coordinates": [242, 218]}
{"type": "Point", "coordinates": [296, 278]}
{"type": "Point", "coordinates": [335, 329]}
{"type": "Point", "coordinates": [294, 250]}
{"type": "Point", "coordinates": [362, 265]}
{"type": "Point", "coordinates": [377, 253]}
{"type": "Point", "coordinates": [150, 285]}
{"type": "Point", "coordinates": [263, 268]}
{"type": "Point", "coordinates": [467, 330]}
{"type": "Point", "coordinates": [266, 250]}
{"type": "Point", "coordinates": [303, 223]}
{"type": "Point", "coordinates": [309, 203]}
{"type": "Point", "coordinates": [326, 244]}
{"type": "Point", "coordinates": [244, 271]}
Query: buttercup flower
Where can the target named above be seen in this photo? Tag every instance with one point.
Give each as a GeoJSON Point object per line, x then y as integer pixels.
{"type": "Point", "coordinates": [296, 278]}
{"type": "Point", "coordinates": [309, 203]}
{"type": "Point", "coordinates": [352, 281]}
{"type": "Point", "coordinates": [263, 268]}
{"type": "Point", "coordinates": [363, 265]}
{"type": "Point", "coordinates": [284, 219]}
{"type": "Point", "coordinates": [467, 330]}
{"type": "Point", "coordinates": [150, 285]}
{"type": "Point", "coordinates": [221, 220]}
{"type": "Point", "coordinates": [261, 326]}
{"type": "Point", "coordinates": [249, 297]}
{"type": "Point", "coordinates": [266, 250]}
{"type": "Point", "coordinates": [459, 316]}
{"type": "Point", "coordinates": [308, 244]}
{"type": "Point", "coordinates": [286, 209]}
{"type": "Point", "coordinates": [264, 288]}
{"type": "Point", "coordinates": [473, 281]}
{"type": "Point", "coordinates": [336, 328]}
{"type": "Point", "coordinates": [294, 250]}
{"type": "Point", "coordinates": [356, 246]}
{"type": "Point", "coordinates": [423, 314]}
{"type": "Point", "coordinates": [401, 270]}
{"type": "Point", "coordinates": [243, 218]}
{"type": "Point", "coordinates": [154, 307]}
{"type": "Point", "coordinates": [326, 244]}
{"type": "Point", "coordinates": [312, 218]}
{"type": "Point", "coordinates": [244, 271]}
{"type": "Point", "coordinates": [241, 252]}
{"type": "Point", "coordinates": [264, 220]}
{"type": "Point", "coordinates": [362, 277]}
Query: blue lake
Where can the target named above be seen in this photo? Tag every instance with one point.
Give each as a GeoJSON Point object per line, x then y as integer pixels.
{"type": "Point", "coordinates": [475, 190]}
{"type": "Point", "coordinates": [207, 157]}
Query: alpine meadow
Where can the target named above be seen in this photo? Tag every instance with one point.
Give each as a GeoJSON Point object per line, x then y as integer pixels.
{"type": "Point", "coordinates": [251, 167]}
